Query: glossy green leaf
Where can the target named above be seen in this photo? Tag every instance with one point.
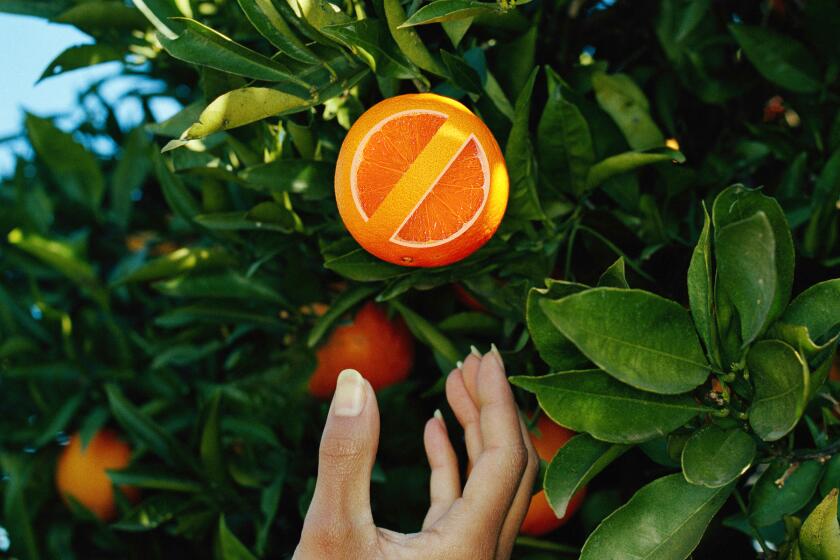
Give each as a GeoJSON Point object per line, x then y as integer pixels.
{"type": "Point", "coordinates": [524, 201]}
{"type": "Point", "coordinates": [779, 58]}
{"type": "Point", "coordinates": [593, 402]}
{"type": "Point", "coordinates": [665, 520]}
{"type": "Point", "coordinates": [461, 73]}
{"type": "Point", "coordinates": [199, 44]}
{"type": "Point", "coordinates": [746, 272]}
{"type": "Point", "coordinates": [784, 488]}
{"type": "Point", "coordinates": [714, 456]}
{"type": "Point", "coordinates": [130, 173]}
{"type": "Point", "coordinates": [614, 276]}
{"type": "Point", "coordinates": [639, 338]}
{"type": "Point", "coordinates": [80, 56]}
{"type": "Point", "coordinates": [427, 333]}
{"type": "Point", "coordinates": [408, 40]}
{"type": "Point", "coordinates": [212, 453]}
{"type": "Point", "coordinates": [74, 168]}
{"type": "Point", "coordinates": [626, 103]}
{"type": "Point", "coordinates": [58, 254]}
{"type": "Point", "coordinates": [574, 465]}
{"type": "Point", "coordinates": [449, 10]}
{"type": "Point", "coordinates": [270, 23]}
{"type": "Point", "coordinates": [93, 17]}
{"type": "Point", "coordinates": [564, 143]}
{"type": "Point", "coordinates": [177, 196]}
{"type": "Point", "coordinates": [220, 285]}
{"type": "Point", "coordinates": [357, 264]}
{"type": "Point", "coordinates": [626, 162]}
{"type": "Point", "coordinates": [186, 259]}
{"type": "Point", "coordinates": [370, 39]}
{"type": "Point", "coordinates": [154, 479]}
{"type": "Point", "coordinates": [310, 179]}
{"type": "Point", "coordinates": [230, 547]}
{"type": "Point", "coordinates": [818, 309]}
{"type": "Point", "coordinates": [737, 203]}
{"type": "Point", "coordinates": [780, 378]}
{"type": "Point", "coordinates": [554, 347]}
{"type": "Point", "coordinates": [831, 478]}
{"type": "Point", "coordinates": [343, 303]}
{"type": "Point", "coordinates": [701, 289]}
{"type": "Point", "coordinates": [819, 538]}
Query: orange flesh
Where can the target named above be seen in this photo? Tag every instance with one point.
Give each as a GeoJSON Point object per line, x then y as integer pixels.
{"type": "Point", "coordinates": [455, 198]}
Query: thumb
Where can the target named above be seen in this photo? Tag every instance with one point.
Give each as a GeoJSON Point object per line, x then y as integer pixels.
{"type": "Point", "coordinates": [347, 453]}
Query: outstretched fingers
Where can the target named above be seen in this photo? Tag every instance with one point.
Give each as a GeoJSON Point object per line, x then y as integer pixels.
{"type": "Point", "coordinates": [445, 481]}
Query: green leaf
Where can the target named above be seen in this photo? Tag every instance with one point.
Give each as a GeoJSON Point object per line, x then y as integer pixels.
{"type": "Point", "coordinates": [212, 453]}
{"type": "Point", "coordinates": [38, 8]}
{"type": "Point", "coordinates": [165, 15]}
{"type": "Point", "coordinates": [461, 74]}
{"type": "Point", "coordinates": [746, 272]}
{"type": "Point", "coordinates": [625, 162]}
{"type": "Point", "coordinates": [220, 285]}
{"type": "Point", "coordinates": [246, 105]}
{"type": "Point", "coordinates": [357, 264]}
{"type": "Point", "coordinates": [58, 254]}
{"type": "Point", "coordinates": [59, 419]}
{"type": "Point", "coordinates": [819, 538]}
{"type": "Point", "coordinates": [639, 338]}
{"type": "Point", "coordinates": [93, 17]}
{"type": "Point", "coordinates": [524, 202]}
{"type": "Point", "coordinates": [16, 505]}
{"type": "Point", "coordinates": [626, 103]}
{"type": "Point", "coordinates": [343, 303]}
{"type": "Point", "coordinates": [408, 39]}
{"type": "Point", "coordinates": [215, 313]}
{"type": "Point", "coordinates": [737, 203]}
{"type": "Point", "coordinates": [230, 547]}
{"type": "Point", "coordinates": [817, 309]}
{"type": "Point", "coordinates": [426, 333]}
{"type": "Point", "coordinates": [74, 168]}
{"type": "Point", "coordinates": [186, 259]}
{"type": "Point", "coordinates": [614, 276]}
{"type": "Point", "coordinates": [779, 58]}
{"type": "Point", "coordinates": [665, 520]}
{"type": "Point", "coordinates": [449, 10]}
{"type": "Point", "coordinates": [714, 456]}
{"type": "Point", "coordinates": [780, 377]}
{"type": "Point", "coordinates": [821, 231]}
{"type": "Point", "coordinates": [266, 216]}
{"type": "Point", "coordinates": [369, 39]}
{"type": "Point", "coordinates": [144, 429]}
{"type": "Point", "coordinates": [80, 56]}
{"type": "Point", "coordinates": [593, 402]}
{"type": "Point", "coordinates": [564, 142]}
{"type": "Point", "coordinates": [574, 465]}
{"type": "Point", "coordinates": [154, 479]}
{"type": "Point", "coordinates": [177, 196]}
{"type": "Point", "coordinates": [199, 44]}
{"type": "Point", "coordinates": [270, 23]}
{"type": "Point", "coordinates": [783, 489]}
{"type": "Point", "coordinates": [554, 347]}
{"type": "Point", "coordinates": [831, 479]}
{"type": "Point", "coordinates": [130, 173]}
{"type": "Point", "coordinates": [701, 290]}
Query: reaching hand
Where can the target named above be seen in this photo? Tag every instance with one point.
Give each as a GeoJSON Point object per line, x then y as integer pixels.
{"type": "Point", "coordinates": [477, 522]}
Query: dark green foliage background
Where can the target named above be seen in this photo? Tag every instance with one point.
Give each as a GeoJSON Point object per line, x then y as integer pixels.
{"type": "Point", "coordinates": [138, 291]}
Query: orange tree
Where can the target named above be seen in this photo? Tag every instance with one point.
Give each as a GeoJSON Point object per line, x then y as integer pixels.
{"type": "Point", "coordinates": [173, 283]}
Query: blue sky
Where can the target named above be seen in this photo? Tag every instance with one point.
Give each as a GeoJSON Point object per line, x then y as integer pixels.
{"type": "Point", "coordinates": [32, 44]}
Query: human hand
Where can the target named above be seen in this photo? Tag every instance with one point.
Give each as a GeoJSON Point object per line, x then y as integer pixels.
{"type": "Point", "coordinates": [478, 522]}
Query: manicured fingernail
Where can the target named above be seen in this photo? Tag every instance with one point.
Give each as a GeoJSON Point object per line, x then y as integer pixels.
{"type": "Point", "coordinates": [474, 351]}
{"type": "Point", "coordinates": [459, 364]}
{"type": "Point", "coordinates": [349, 396]}
{"type": "Point", "coordinates": [439, 417]}
{"type": "Point", "coordinates": [497, 354]}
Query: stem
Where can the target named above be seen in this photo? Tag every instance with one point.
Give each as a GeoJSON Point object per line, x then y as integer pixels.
{"type": "Point", "coordinates": [756, 532]}
{"type": "Point", "coordinates": [819, 454]}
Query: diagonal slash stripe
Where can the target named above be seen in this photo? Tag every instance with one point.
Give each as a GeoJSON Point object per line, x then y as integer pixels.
{"type": "Point", "coordinates": [417, 182]}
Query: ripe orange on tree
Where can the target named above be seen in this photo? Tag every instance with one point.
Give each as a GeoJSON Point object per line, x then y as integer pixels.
{"type": "Point", "coordinates": [382, 349]}
{"type": "Point", "coordinates": [81, 472]}
{"type": "Point", "coordinates": [420, 181]}
{"type": "Point", "coordinates": [540, 518]}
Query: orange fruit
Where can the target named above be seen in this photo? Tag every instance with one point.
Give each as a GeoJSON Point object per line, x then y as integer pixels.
{"type": "Point", "coordinates": [466, 298]}
{"type": "Point", "coordinates": [540, 518]}
{"type": "Point", "coordinates": [834, 374]}
{"type": "Point", "coordinates": [381, 349]}
{"type": "Point", "coordinates": [80, 473]}
{"type": "Point", "coordinates": [420, 181]}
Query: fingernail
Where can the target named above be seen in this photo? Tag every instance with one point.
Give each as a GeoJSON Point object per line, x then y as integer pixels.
{"type": "Point", "coordinates": [497, 354]}
{"type": "Point", "coordinates": [349, 393]}
{"type": "Point", "coordinates": [459, 364]}
{"type": "Point", "coordinates": [439, 417]}
{"type": "Point", "coordinates": [474, 351]}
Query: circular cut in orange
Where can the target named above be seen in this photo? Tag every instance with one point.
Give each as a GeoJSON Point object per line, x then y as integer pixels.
{"type": "Point", "coordinates": [420, 181]}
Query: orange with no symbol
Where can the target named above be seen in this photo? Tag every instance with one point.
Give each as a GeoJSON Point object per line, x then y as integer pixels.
{"type": "Point", "coordinates": [540, 518]}
{"type": "Point", "coordinates": [81, 472]}
{"type": "Point", "coordinates": [380, 348]}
